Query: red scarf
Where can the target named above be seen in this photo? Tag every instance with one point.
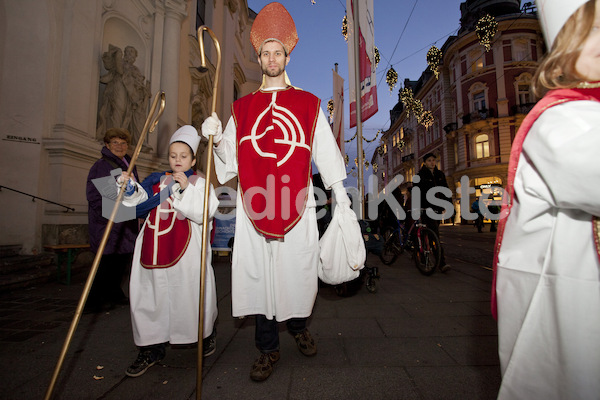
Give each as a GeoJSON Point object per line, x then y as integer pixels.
{"type": "Point", "coordinates": [552, 98]}
{"type": "Point", "coordinates": [275, 131]}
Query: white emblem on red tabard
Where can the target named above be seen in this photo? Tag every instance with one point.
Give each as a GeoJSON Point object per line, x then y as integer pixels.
{"type": "Point", "coordinates": [165, 211]}
{"type": "Point", "coordinates": [293, 134]}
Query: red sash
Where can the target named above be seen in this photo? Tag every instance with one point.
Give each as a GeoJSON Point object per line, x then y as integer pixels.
{"type": "Point", "coordinates": [166, 235]}
{"type": "Point", "coordinates": [275, 132]}
{"type": "Point", "coordinates": [552, 98]}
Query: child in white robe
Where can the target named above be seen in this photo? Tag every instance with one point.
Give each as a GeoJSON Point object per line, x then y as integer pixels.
{"type": "Point", "coordinates": [165, 276]}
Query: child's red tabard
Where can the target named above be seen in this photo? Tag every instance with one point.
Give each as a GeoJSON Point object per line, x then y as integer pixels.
{"type": "Point", "coordinates": [167, 233]}
{"type": "Point", "coordinates": [275, 131]}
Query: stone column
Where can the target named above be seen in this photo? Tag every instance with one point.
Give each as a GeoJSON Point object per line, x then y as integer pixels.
{"type": "Point", "coordinates": [169, 77]}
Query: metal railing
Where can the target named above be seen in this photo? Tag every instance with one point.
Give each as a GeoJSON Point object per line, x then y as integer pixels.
{"type": "Point", "coordinates": [34, 198]}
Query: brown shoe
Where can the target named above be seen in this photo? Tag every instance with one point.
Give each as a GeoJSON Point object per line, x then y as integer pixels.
{"type": "Point", "coordinates": [263, 366]}
{"type": "Point", "coordinates": [305, 343]}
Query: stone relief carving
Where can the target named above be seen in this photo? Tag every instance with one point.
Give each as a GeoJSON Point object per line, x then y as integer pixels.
{"type": "Point", "coordinates": [126, 95]}
{"type": "Point", "coordinates": [145, 24]}
{"type": "Point", "coordinates": [232, 5]}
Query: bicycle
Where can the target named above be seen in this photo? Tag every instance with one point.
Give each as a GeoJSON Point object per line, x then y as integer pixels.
{"type": "Point", "coordinates": [422, 241]}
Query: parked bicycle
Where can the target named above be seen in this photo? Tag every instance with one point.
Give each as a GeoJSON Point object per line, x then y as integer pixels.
{"type": "Point", "coordinates": [419, 239]}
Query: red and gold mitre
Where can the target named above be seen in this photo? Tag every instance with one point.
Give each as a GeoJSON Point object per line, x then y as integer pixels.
{"type": "Point", "coordinates": [274, 22]}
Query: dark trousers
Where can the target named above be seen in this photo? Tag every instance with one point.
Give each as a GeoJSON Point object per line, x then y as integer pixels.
{"type": "Point", "coordinates": [266, 335]}
{"type": "Point", "coordinates": [107, 282]}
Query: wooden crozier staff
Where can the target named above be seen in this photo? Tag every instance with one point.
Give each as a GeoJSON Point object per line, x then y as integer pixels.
{"type": "Point", "coordinates": [205, 221]}
{"type": "Point", "coordinates": [149, 126]}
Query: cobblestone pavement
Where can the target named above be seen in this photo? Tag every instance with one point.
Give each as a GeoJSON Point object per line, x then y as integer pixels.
{"type": "Point", "coordinates": [418, 337]}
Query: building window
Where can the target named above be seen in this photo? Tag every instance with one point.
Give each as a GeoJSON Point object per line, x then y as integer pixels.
{"type": "Point", "coordinates": [524, 94]}
{"type": "Point", "coordinates": [479, 101]}
{"type": "Point", "coordinates": [507, 50]}
{"type": "Point", "coordinates": [523, 89]}
{"type": "Point", "coordinates": [482, 146]}
{"type": "Point", "coordinates": [476, 58]}
{"type": "Point", "coordinates": [521, 50]}
{"type": "Point", "coordinates": [455, 153]}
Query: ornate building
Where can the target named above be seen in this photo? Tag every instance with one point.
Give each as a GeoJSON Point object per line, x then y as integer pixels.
{"type": "Point", "coordinates": [478, 102]}
{"type": "Point", "coordinates": [58, 60]}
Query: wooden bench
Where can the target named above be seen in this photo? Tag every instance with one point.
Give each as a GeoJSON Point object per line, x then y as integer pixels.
{"type": "Point", "coordinates": [65, 250]}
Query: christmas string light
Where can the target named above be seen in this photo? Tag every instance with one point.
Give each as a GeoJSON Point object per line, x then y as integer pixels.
{"type": "Point", "coordinates": [391, 78]}
{"type": "Point", "coordinates": [376, 56]}
{"type": "Point", "coordinates": [426, 119]}
{"type": "Point", "coordinates": [365, 140]}
{"type": "Point", "coordinates": [345, 27]}
{"type": "Point", "coordinates": [434, 58]}
{"type": "Point", "coordinates": [406, 97]}
{"type": "Point", "coordinates": [352, 138]}
{"type": "Point", "coordinates": [330, 108]}
{"type": "Point", "coordinates": [375, 167]}
{"type": "Point", "coordinates": [486, 28]}
{"type": "Point", "coordinates": [417, 108]}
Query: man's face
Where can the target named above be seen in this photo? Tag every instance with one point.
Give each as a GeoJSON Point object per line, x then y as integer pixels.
{"type": "Point", "coordinates": [430, 163]}
{"type": "Point", "coordinates": [272, 59]}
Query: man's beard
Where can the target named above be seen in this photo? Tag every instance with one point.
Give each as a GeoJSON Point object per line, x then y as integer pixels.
{"type": "Point", "coordinates": [273, 73]}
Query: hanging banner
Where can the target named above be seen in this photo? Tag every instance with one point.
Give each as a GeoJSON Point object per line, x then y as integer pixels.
{"type": "Point", "coordinates": [368, 79]}
{"type": "Point", "coordinates": [338, 111]}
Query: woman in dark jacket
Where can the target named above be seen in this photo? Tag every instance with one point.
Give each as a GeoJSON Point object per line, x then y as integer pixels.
{"type": "Point", "coordinates": [101, 193]}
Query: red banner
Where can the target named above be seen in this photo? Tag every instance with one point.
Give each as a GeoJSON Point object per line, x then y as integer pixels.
{"type": "Point", "coordinates": [368, 79]}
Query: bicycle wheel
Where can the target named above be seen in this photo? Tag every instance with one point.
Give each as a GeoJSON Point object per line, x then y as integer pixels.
{"type": "Point", "coordinates": [389, 253]}
{"type": "Point", "coordinates": [427, 251]}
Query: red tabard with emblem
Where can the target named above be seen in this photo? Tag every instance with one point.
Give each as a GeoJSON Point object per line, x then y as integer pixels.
{"type": "Point", "coordinates": [166, 234]}
{"type": "Point", "coordinates": [275, 131]}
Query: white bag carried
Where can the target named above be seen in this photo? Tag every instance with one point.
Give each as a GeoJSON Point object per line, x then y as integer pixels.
{"type": "Point", "coordinates": [343, 252]}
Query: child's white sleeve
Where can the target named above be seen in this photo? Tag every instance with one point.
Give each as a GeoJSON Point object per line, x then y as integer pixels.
{"type": "Point", "coordinates": [190, 202]}
{"type": "Point", "coordinates": [138, 196]}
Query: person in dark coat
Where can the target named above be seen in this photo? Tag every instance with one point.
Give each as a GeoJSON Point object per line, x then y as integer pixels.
{"type": "Point", "coordinates": [118, 252]}
{"type": "Point", "coordinates": [432, 177]}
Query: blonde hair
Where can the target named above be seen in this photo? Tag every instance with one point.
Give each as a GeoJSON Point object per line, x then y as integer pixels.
{"type": "Point", "coordinates": [557, 69]}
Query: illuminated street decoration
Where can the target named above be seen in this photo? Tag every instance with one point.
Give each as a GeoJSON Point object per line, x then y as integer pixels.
{"type": "Point", "coordinates": [434, 58]}
{"type": "Point", "coordinates": [391, 78]}
{"type": "Point", "coordinates": [486, 28]}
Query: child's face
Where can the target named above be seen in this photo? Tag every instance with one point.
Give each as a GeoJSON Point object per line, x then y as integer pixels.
{"type": "Point", "coordinates": [588, 63]}
{"type": "Point", "coordinates": [180, 157]}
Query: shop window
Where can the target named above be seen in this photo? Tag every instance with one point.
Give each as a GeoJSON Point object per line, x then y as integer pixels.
{"type": "Point", "coordinates": [482, 146]}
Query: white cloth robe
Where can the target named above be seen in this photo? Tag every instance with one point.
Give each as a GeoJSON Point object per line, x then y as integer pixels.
{"type": "Point", "coordinates": [278, 278]}
{"type": "Point", "coordinates": [548, 287]}
{"type": "Point", "coordinates": [164, 302]}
